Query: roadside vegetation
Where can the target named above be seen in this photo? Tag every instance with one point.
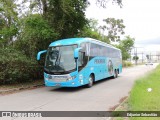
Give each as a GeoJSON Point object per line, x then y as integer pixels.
{"type": "Point", "coordinates": [126, 63]}
{"type": "Point", "coordinates": [25, 30]}
{"type": "Point", "coordinates": [144, 96]}
{"type": "Point", "coordinates": [144, 99]}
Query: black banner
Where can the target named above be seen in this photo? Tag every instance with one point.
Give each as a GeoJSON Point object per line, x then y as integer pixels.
{"type": "Point", "coordinates": [15, 114]}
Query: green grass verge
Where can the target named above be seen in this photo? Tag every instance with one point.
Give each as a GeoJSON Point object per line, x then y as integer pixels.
{"type": "Point", "coordinates": [142, 100]}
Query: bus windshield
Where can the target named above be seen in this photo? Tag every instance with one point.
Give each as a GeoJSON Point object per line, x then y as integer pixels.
{"type": "Point", "coordinates": [60, 59]}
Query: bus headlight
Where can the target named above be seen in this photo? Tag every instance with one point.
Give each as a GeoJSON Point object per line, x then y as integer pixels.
{"type": "Point", "coordinates": [46, 78]}
{"type": "Point", "coordinates": [71, 77]}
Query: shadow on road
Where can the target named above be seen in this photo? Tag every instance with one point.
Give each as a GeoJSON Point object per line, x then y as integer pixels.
{"type": "Point", "coordinates": [67, 89]}
{"type": "Point", "coordinates": [75, 89]}
{"type": "Point", "coordinates": [97, 83]}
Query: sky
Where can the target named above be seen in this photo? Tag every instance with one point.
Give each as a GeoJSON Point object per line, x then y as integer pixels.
{"type": "Point", "coordinates": [141, 18]}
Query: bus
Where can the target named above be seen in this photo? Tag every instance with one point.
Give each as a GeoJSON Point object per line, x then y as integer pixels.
{"type": "Point", "coordinates": [74, 62]}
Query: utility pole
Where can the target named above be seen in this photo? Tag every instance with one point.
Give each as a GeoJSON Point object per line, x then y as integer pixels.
{"type": "Point", "coordinates": [130, 55]}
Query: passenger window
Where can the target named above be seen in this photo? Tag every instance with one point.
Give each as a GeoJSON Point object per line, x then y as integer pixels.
{"type": "Point", "coordinates": [81, 59]}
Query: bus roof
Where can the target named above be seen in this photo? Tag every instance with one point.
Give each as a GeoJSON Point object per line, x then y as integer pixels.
{"type": "Point", "coordinates": [78, 41]}
{"type": "Point", "coordinates": [68, 41]}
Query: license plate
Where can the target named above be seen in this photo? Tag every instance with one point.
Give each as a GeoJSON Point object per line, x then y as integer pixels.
{"type": "Point", "coordinates": [58, 84]}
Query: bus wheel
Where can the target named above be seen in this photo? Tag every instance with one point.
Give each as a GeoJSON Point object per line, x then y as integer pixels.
{"type": "Point", "coordinates": [115, 74]}
{"type": "Point", "coordinates": [91, 80]}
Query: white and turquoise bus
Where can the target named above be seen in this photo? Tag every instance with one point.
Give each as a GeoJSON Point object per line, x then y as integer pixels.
{"type": "Point", "coordinates": [75, 62]}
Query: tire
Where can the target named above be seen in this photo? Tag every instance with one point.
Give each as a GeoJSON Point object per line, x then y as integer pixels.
{"type": "Point", "coordinates": [91, 81]}
{"type": "Point", "coordinates": [115, 74]}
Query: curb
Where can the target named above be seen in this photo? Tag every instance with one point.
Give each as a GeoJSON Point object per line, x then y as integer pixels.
{"type": "Point", "coordinates": [110, 118]}
{"type": "Point", "coordinates": [20, 88]}
{"type": "Point", "coordinates": [121, 103]}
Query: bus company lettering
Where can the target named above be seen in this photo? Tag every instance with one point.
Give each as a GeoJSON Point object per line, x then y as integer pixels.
{"type": "Point", "coordinates": [99, 61]}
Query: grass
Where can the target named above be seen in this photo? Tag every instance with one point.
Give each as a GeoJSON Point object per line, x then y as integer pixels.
{"type": "Point", "coordinates": [142, 100]}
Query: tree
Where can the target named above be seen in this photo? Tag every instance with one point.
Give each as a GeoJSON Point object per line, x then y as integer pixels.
{"type": "Point", "coordinates": [8, 22]}
{"type": "Point", "coordinates": [93, 31]}
{"type": "Point", "coordinates": [147, 56]}
{"type": "Point", "coordinates": [90, 30]}
{"type": "Point", "coordinates": [69, 15]}
{"type": "Point", "coordinates": [103, 3]}
{"type": "Point", "coordinates": [135, 58]}
{"type": "Point", "coordinates": [66, 17]}
{"type": "Point", "coordinates": [115, 28]}
{"type": "Point", "coordinates": [93, 24]}
{"type": "Point", "coordinates": [104, 37]}
{"type": "Point", "coordinates": [35, 35]}
{"type": "Point", "coordinates": [126, 46]}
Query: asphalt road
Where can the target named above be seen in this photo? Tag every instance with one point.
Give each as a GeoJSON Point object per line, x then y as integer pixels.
{"type": "Point", "coordinates": [101, 97]}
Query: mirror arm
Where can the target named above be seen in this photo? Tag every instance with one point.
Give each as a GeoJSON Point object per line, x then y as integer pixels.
{"type": "Point", "coordinates": [76, 52]}
{"type": "Point", "coordinates": [39, 54]}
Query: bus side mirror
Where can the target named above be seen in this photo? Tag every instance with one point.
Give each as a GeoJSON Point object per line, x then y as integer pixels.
{"type": "Point", "coordinates": [39, 54]}
{"type": "Point", "coordinates": [76, 53]}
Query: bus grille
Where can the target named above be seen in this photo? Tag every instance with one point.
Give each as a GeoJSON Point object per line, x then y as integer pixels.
{"type": "Point", "coordinates": [57, 78]}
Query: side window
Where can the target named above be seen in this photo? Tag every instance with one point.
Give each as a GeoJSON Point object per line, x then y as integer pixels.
{"type": "Point", "coordinates": [81, 59]}
{"type": "Point", "coordinates": [85, 47]}
{"type": "Point", "coordinates": [94, 51]}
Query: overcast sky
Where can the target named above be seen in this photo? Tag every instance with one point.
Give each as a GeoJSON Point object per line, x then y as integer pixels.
{"type": "Point", "coordinates": [141, 18]}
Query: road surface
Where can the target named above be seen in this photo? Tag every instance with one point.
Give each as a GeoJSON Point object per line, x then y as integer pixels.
{"type": "Point", "coordinates": [101, 97]}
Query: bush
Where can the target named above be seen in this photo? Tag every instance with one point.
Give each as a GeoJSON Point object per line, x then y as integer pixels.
{"type": "Point", "coordinates": [126, 64]}
{"type": "Point", "coordinates": [16, 67]}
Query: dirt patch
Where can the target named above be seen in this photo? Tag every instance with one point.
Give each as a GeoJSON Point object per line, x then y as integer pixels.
{"type": "Point", "coordinates": [20, 89]}
{"type": "Point", "coordinates": [113, 108]}
{"type": "Point", "coordinates": [120, 101]}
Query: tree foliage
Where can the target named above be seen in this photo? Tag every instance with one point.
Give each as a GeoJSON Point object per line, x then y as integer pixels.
{"type": "Point", "coordinates": [93, 24]}
{"type": "Point", "coordinates": [93, 31]}
{"type": "Point", "coordinates": [35, 35]}
{"type": "Point", "coordinates": [103, 3]}
{"type": "Point", "coordinates": [135, 58]}
{"type": "Point", "coordinates": [115, 28]}
{"type": "Point", "coordinates": [8, 22]}
{"type": "Point", "coordinates": [88, 32]}
{"type": "Point", "coordinates": [126, 45]}
{"type": "Point", "coordinates": [147, 56]}
{"type": "Point", "coordinates": [66, 17]}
